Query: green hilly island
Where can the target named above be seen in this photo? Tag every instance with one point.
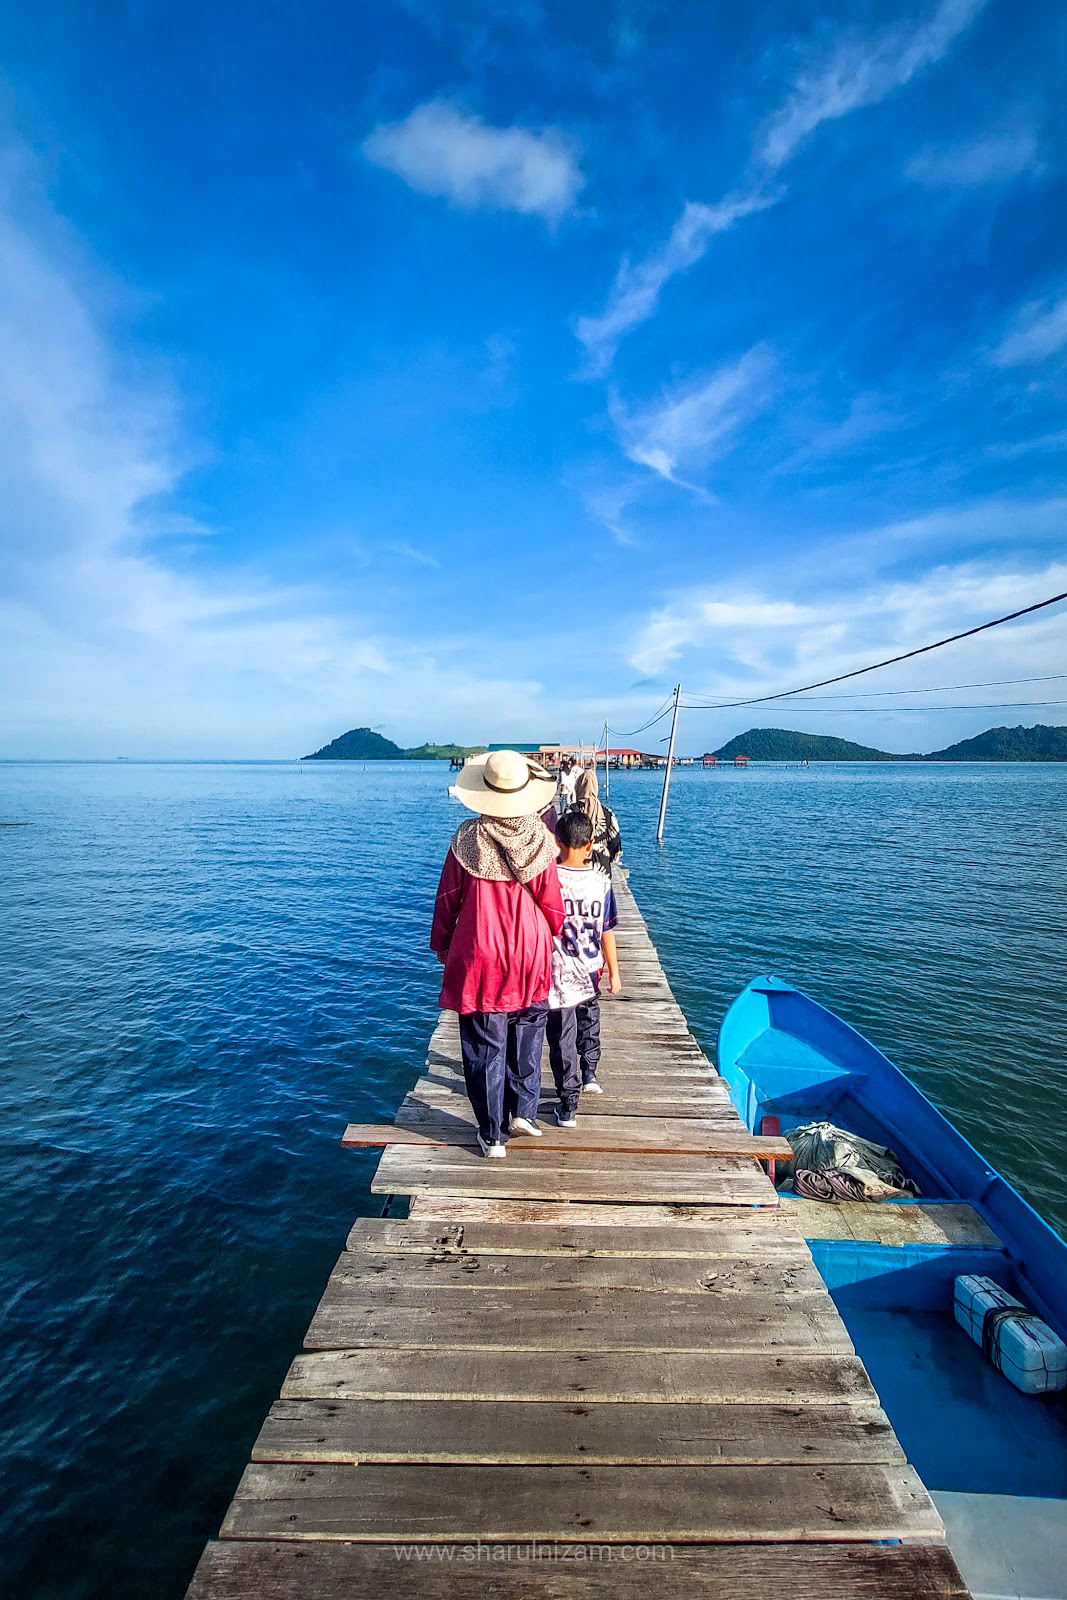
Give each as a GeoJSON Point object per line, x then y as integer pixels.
{"type": "Point", "coordinates": [782, 744]}
{"type": "Point", "coordinates": [1040, 743]}
{"type": "Point", "coordinates": [363, 744]}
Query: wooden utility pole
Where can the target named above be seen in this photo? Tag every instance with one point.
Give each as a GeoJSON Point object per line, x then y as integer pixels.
{"type": "Point", "coordinates": [670, 764]}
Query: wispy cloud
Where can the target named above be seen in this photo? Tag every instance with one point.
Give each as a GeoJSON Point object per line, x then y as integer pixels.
{"type": "Point", "coordinates": [636, 290]}
{"type": "Point", "coordinates": [858, 72]}
{"type": "Point", "coordinates": [1037, 331]}
{"type": "Point", "coordinates": [608, 505]}
{"type": "Point", "coordinates": [1043, 443]}
{"type": "Point", "coordinates": [408, 552]}
{"type": "Point", "coordinates": [756, 641]}
{"type": "Point", "coordinates": [690, 425]}
{"type": "Point", "coordinates": [444, 150]}
{"type": "Point", "coordinates": [996, 158]}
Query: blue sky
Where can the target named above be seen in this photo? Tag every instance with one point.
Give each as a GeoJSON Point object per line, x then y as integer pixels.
{"type": "Point", "coordinates": [480, 371]}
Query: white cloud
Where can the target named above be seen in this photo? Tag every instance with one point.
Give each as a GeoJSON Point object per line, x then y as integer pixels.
{"type": "Point", "coordinates": [754, 641]}
{"type": "Point", "coordinates": [994, 159]}
{"type": "Point", "coordinates": [858, 72]}
{"type": "Point", "coordinates": [443, 150]}
{"type": "Point", "coordinates": [635, 293]}
{"type": "Point", "coordinates": [1037, 331]}
{"type": "Point", "coordinates": [692, 424]}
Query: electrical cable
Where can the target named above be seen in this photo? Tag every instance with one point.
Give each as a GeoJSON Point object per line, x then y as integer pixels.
{"type": "Point", "coordinates": [938, 688]}
{"type": "Point", "coordinates": [966, 705]}
{"type": "Point", "coordinates": [664, 711]}
{"type": "Point", "coordinates": [891, 661]}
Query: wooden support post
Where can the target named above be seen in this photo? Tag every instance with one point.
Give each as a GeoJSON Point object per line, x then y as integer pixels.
{"type": "Point", "coordinates": [670, 763]}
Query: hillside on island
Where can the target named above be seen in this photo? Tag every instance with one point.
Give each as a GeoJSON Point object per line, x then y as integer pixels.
{"type": "Point", "coordinates": [1040, 743]}
{"type": "Point", "coordinates": [363, 744]}
{"type": "Point", "coordinates": [782, 744]}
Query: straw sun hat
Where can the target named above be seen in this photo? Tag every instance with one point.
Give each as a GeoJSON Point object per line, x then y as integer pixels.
{"type": "Point", "coordinates": [504, 784]}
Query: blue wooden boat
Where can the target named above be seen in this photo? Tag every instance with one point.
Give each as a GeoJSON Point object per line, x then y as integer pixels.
{"type": "Point", "coordinates": [994, 1460]}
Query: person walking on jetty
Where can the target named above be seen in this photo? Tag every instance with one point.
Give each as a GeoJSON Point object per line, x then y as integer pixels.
{"type": "Point", "coordinates": [498, 909]}
{"type": "Point", "coordinates": [568, 778]}
{"type": "Point", "coordinates": [607, 840]}
{"type": "Point", "coordinates": [582, 950]}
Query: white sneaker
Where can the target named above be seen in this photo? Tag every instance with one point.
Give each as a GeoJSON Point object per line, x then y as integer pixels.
{"type": "Point", "coordinates": [495, 1152]}
{"type": "Point", "coordinates": [592, 1087]}
{"type": "Point", "coordinates": [524, 1125]}
{"type": "Point", "coordinates": [566, 1119]}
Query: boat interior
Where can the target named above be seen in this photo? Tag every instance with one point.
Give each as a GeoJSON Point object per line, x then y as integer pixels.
{"type": "Point", "coordinates": [993, 1458]}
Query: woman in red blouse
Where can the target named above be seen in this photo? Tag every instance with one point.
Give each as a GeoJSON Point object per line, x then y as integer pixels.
{"type": "Point", "coordinates": [498, 908]}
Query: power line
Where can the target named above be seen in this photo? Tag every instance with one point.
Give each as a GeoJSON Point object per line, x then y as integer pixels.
{"type": "Point", "coordinates": [938, 688]}
{"type": "Point", "coordinates": [966, 705]}
{"type": "Point", "coordinates": [891, 661]}
{"type": "Point", "coordinates": [663, 711]}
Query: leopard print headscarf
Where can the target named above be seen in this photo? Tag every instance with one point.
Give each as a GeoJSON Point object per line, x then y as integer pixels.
{"type": "Point", "coordinates": [503, 848]}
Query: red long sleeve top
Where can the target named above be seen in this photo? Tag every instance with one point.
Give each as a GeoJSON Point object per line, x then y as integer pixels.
{"type": "Point", "coordinates": [495, 939]}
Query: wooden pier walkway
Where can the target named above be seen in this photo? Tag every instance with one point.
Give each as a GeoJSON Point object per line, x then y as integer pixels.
{"type": "Point", "coordinates": [608, 1353]}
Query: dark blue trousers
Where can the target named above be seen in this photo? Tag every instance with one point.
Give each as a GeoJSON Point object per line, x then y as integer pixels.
{"type": "Point", "coordinates": [502, 1065]}
{"type": "Point", "coordinates": [587, 1028]}
{"type": "Point", "coordinates": [562, 1029]}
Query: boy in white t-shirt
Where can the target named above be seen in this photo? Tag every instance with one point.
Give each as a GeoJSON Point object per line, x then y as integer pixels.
{"type": "Point", "coordinates": [579, 955]}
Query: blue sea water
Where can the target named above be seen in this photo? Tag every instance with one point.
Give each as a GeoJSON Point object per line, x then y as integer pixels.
{"type": "Point", "coordinates": [206, 970]}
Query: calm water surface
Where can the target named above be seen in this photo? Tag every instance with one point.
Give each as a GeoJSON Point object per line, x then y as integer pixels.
{"type": "Point", "coordinates": [206, 970]}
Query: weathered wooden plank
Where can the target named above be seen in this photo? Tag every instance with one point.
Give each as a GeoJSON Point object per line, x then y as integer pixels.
{"type": "Point", "coordinates": [706, 1105]}
{"type": "Point", "coordinates": [421, 1126]}
{"type": "Point", "coordinates": [444, 1131]}
{"type": "Point", "coordinates": [710, 1102]}
{"type": "Point", "coordinates": [524, 1176]}
{"type": "Point", "coordinates": [277, 1570]}
{"type": "Point", "coordinates": [664, 1082]}
{"type": "Point", "coordinates": [627, 1047]}
{"type": "Point", "coordinates": [619, 1101]}
{"type": "Point", "coordinates": [659, 1063]}
{"type": "Point", "coordinates": [350, 1317]}
{"type": "Point", "coordinates": [383, 1274]}
{"type": "Point", "coordinates": [660, 1073]}
{"type": "Point", "coordinates": [621, 1504]}
{"type": "Point", "coordinates": [576, 1213]}
{"type": "Point", "coordinates": [546, 1433]}
{"type": "Point", "coordinates": [411, 1236]}
{"type": "Point", "coordinates": [437, 1089]}
{"type": "Point", "coordinates": [679, 1066]}
{"type": "Point", "coordinates": [607, 1376]}
{"type": "Point", "coordinates": [528, 1156]}
{"type": "Point", "coordinates": [624, 1045]}
{"type": "Point", "coordinates": [650, 1090]}
{"type": "Point", "coordinates": [886, 1223]}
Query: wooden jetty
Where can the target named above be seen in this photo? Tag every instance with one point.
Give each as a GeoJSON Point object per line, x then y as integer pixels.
{"type": "Point", "coordinates": [607, 1353]}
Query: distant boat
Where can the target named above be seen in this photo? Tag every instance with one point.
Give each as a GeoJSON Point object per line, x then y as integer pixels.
{"type": "Point", "coordinates": [994, 1460]}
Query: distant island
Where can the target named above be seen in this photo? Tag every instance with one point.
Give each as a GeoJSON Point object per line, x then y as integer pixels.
{"type": "Point", "coordinates": [1040, 743]}
{"type": "Point", "coordinates": [363, 744]}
